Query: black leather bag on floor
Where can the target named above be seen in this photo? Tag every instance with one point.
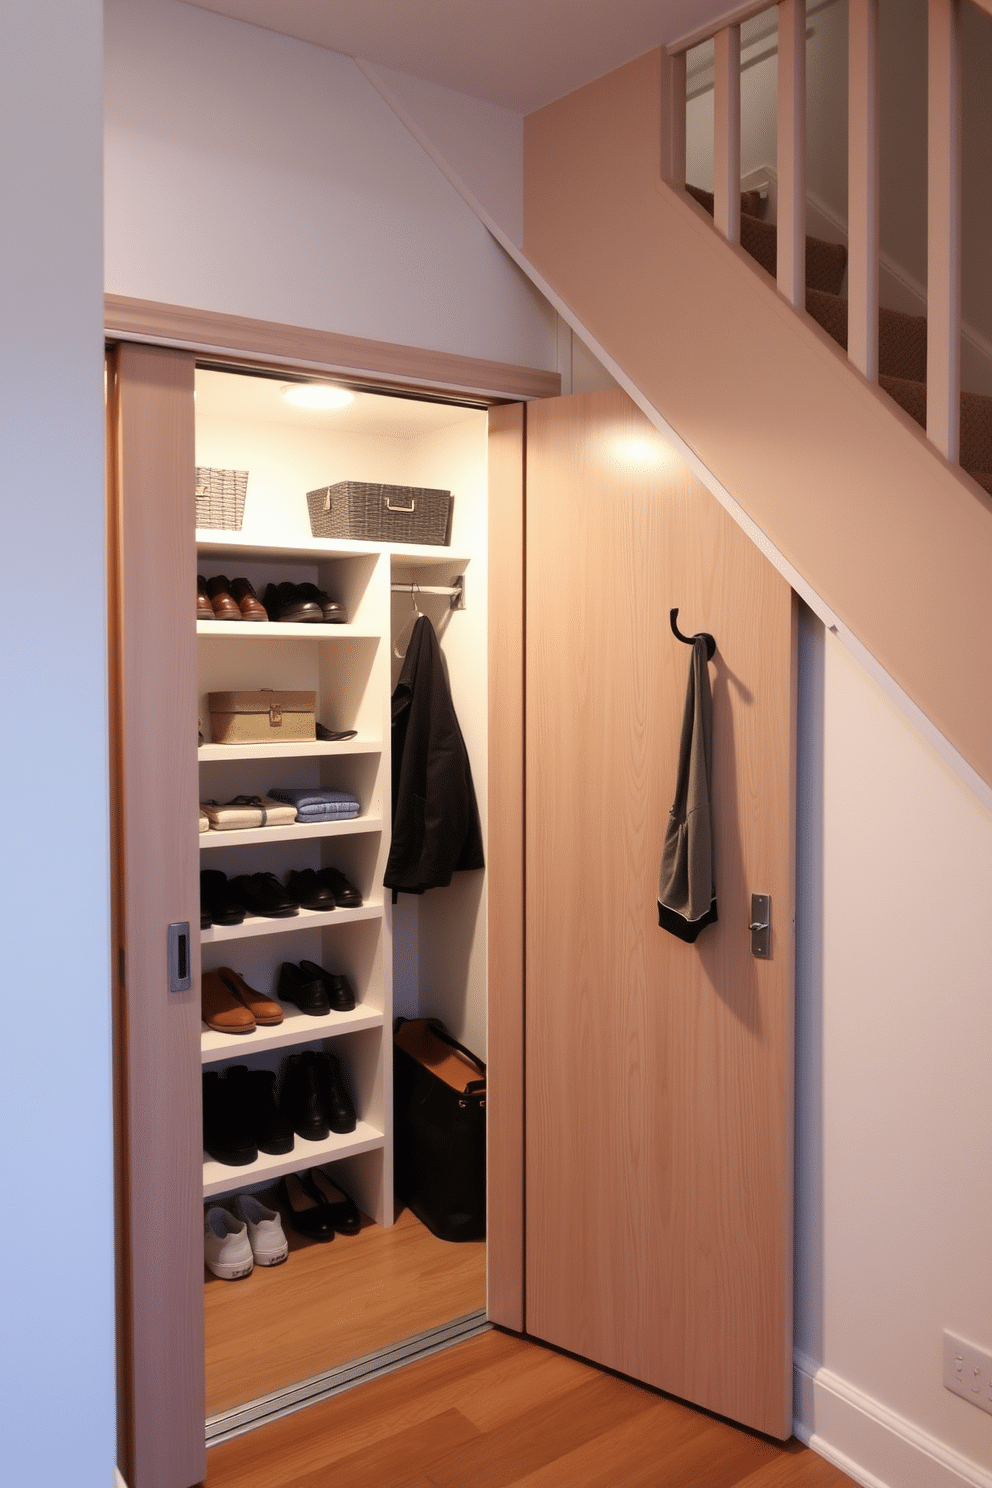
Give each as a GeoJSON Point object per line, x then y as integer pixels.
{"type": "Point", "coordinates": [439, 1090]}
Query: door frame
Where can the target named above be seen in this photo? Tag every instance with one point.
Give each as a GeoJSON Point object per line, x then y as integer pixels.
{"type": "Point", "coordinates": [160, 1385]}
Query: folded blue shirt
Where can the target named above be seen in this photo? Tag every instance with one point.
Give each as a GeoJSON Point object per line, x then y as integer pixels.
{"type": "Point", "coordinates": [313, 804]}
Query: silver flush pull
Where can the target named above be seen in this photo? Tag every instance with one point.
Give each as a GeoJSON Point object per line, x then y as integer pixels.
{"type": "Point", "coordinates": [180, 970]}
{"type": "Point", "coordinates": [761, 926]}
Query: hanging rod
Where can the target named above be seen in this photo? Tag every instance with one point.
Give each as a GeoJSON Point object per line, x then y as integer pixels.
{"type": "Point", "coordinates": [456, 591]}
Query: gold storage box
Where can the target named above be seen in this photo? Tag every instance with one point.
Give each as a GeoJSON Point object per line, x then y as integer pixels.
{"type": "Point", "coordinates": [263, 717]}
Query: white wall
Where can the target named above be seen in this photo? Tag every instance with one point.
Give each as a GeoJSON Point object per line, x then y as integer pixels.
{"type": "Point", "coordinates": [57, 1413]}
{"type": "Point", "coordinates": [894, 1137]}
{"type": "Point", "coordinates": [254, 174]}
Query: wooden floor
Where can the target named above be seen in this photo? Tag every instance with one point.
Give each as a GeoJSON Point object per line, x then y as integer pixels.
{"type": "Point", "coordinates": [502, 1413]}
{"type": "Point", "coordinates": [330, 1303]}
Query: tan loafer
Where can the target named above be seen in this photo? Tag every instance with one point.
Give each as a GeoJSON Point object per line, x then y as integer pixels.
{"type": "Point", "coordinates": [221, 1010]}
{"type": "Point", "coordinates": [263, 1009]}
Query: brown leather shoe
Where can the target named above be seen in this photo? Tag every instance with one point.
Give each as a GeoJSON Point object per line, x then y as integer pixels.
{"type": "Point", "coordinates": [204, 609]}
{"type": "Point", "coordinates": [225, 606]}
{"type": "Point", "coordinates": [251, 606]}
{"type": "Point", "coordinates": [263, 1009]}
{"type": "Point", "coordinates": [221, 1010]}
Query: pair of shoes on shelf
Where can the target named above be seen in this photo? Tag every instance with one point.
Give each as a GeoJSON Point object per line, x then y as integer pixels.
{"type": "Point", "coordinates": [229, 1005]}
{"type": "Point", "coordinates": [302, 604]}
{"type": "Point", "coordinates": [224, 599]}
{"type": "Point", "coordinates": [315, 1098]}
{"type": "Point", "coordinates": [322, 889]}
{"type": "Point", "coordinates": [233, 1244]}
{"type": "Point", "coordinates": [318, 1206]}
{"type": "Point", "coordinates": [314, 990]}
{"type": "Point", "coordinates": [241, 1117]}
{"type": "Point", "coordinates": [224, 902]}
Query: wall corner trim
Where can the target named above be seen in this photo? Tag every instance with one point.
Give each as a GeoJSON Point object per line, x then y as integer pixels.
{"type": "Point", "coordinates": [874, 1445]}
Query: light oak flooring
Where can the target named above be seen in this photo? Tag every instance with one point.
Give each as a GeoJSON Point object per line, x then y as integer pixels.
{"type": "Point", "coordinates": [330, 1303]}
{"type": "Point", "coordinates": [501, 1413]}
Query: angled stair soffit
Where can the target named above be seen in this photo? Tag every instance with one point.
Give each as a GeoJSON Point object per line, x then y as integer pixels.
{"type": "Point", "coordinates": [841, 483]}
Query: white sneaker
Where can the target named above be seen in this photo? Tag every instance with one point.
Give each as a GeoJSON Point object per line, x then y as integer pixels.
{"type": "Point", "coordinates": [266, 1236]}
{"type": "Point", "coordinates": [226, 1247]}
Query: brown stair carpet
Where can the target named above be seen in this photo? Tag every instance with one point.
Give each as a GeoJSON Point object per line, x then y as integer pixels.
{"type": "Point", "coordinates": [902, 339]}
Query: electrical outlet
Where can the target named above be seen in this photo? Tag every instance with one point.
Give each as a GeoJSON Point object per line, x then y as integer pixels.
{"type": "Point", "coordinates": [968, 1371]}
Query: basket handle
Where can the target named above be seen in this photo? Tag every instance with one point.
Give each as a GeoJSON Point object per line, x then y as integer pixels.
{"type": "Point", "coordinates": [410, 508]}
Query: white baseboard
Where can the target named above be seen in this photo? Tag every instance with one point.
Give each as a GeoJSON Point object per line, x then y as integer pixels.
{"type": "Point", "coordinates": [872, 1444]}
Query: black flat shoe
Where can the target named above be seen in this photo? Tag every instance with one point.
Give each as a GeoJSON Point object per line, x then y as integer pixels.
{"type": "Point", "coordinates": [307, 992]}
{"type": "Point", "coordinates": [342, 1211]}
{"type": "Point", "coordinates": [344, 891]}
{"type": "Point", "coordinates": [309, 890]}
{"type": "Point", "coordinates": [219, 899]}
{"type": "Point", "coordinates": [337, 988]}
{"type": "Point", "coordinates": [263, 894]}
{"type": "Point", "coordinates": [307, 1214]}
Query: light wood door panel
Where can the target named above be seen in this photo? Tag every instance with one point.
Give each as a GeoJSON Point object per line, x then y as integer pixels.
{"type": "Point", "coordinates": [157, 857]}
{"type": "Point", "coordinates": [659, 1075]}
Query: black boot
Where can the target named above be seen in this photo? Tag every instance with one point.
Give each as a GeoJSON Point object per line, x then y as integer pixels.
{"type": "Point", "coordinates": [255, 1100]}
{"type": "Point", "coordinates": [301, 1100]}
{"type": "Point", "coordinates": [338, 1104]}
{"type": "Point", "coordinates": [225, 1136]}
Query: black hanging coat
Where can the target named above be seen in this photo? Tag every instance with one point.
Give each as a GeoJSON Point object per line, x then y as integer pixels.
{"type": "Point", "coordinates": [435, 815]}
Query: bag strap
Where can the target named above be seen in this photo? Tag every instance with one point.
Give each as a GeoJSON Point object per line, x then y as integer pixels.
{"type": "Point", "coordinates": [437, 1027]}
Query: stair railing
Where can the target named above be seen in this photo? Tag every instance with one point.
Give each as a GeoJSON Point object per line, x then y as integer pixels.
{"type": "Point", "coordinates": [944, 177]}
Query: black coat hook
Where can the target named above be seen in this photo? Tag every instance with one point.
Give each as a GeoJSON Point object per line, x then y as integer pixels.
{"type": "Point", "coordinates": [688, 640]}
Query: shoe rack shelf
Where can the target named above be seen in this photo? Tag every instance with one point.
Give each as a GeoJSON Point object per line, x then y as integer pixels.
{"type": "Point", "coordinates": [348, 668]}
{"type": "Point", "coordinates": [307, 919]}
{"type": "Point", "coordinates": [218, 549]}
{"type": "Point", "coordinates": [225, 753]}
{"type": "Point", "coordinates": [295, 1028]}
{"type": "Point", "coordinates": [248, 836]}
{"type": "Point", "coordinates": [219, 1178]}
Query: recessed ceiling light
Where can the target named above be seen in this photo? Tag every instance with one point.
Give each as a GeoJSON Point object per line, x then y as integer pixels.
{"type": "Point", "coordinates": [317, 395]}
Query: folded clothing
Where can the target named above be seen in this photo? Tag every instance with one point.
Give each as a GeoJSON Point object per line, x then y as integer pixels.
{"type": "Point", "coordinates": [204, 821]}
{"type": "Point", "coordinates": [248, 811]}
{"type": "Point", "coordinates": [313, 804]}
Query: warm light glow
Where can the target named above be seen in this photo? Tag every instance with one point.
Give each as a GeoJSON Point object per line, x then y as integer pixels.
{"type": "Point", "coordinates": [317, 395]}
{"type": "Point", "coordinates": [644, 452]}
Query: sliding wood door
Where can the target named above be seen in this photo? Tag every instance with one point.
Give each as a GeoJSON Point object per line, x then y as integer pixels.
{"type": "Point", "coordinates": [659, 1074]}
{"type": "Point", "coordinates": [153, 648]}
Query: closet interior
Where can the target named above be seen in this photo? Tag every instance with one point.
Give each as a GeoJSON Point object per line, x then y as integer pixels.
{"type": "Point", "coordinates": [425, 955]}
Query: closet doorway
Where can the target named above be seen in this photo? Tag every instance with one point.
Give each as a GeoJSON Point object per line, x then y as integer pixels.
{"type": "Point", "coordinates": [273, 1336]}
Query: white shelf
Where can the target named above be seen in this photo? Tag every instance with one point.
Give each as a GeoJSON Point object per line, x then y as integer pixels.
{"type": "Point", "coordinates": [295, 1028]}
{"type": "Point", "coordinates": [212, 543]}
{"type": "Point", "coordinates": [295, 832]}
{"type": "Point", "coordinates": [220, 1178]}
{"type": "Point", "coordinates": [306, 919]}
{"type": "Point", "coordinates": [277, 630]}
{"type": "Point", "coordinates": [301, 750]}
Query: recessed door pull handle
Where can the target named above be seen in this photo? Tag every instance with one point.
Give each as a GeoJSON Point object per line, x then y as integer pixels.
{"type": "Point", "coordinates": [180, 969]}
{"type": "Point", "coordinates": [761, 926]}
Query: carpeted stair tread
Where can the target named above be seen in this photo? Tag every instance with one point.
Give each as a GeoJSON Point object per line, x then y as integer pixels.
{"type": "Point", "coordinates": [976, 420]}
{"type": "Point", "coordinates": [902, 339]}
{"type": "Point", "coordinates": [751, 201]}
{"type": "Point", "coordinates": [825, 262]}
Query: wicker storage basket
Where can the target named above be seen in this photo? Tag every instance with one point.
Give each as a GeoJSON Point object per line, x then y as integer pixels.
{"type": "Point", "coordinates": [262, 717]}
{"type": "Point", "coordinates": [373, 513]}
{"type": "Point", "coordinates": [220, 497]}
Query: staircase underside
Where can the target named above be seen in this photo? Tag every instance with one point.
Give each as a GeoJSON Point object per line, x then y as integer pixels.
{"type": "Point", "coordinates": [897, 542]}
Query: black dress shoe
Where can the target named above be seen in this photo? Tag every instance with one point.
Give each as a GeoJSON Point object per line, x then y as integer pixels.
{"type": "Point", "coordinates": [219, 898]}
{"type": "Point", "coordinates": [341, 1210]}
{"type": "Point", "coordinates": [253, 1095]}
{"type": "Point", "coordinates": [337, 1103]}
{"type": "Point", "coordinates": [308, 992]}
{"type": "Point", "coordinates": [332, 613]}
{"type": "Point", "coordinates": [225, 1137]}
{"type": "Point", "coordinates": [263, 894]}
{"type": "Point", "coordinates": [309, 890]}
{"type": "Point", "coordinates": [337, 988]}
{"type": "Point", "coordinates": [284, 602]}
{"type": "Point", "coordinates": [345, 893]}
{"type": "Point", "coordinates": [302, 1098]}
{"type": "Point", "coordinates": [307, 1214]}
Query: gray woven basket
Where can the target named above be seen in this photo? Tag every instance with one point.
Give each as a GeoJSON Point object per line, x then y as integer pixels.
{"type": "Point", "coordinates": [220, 497]}
{"type": "Point", "coordinates": [374, 513]}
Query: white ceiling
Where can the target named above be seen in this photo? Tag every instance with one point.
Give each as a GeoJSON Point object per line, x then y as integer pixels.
{"type": "Point", "coordinates": [517, 53]}
{"type": "Point", "coordinates": [230, 396]}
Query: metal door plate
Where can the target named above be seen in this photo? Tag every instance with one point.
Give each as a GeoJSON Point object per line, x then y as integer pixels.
{"type": "Point", "coordinates": [761, 926]}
